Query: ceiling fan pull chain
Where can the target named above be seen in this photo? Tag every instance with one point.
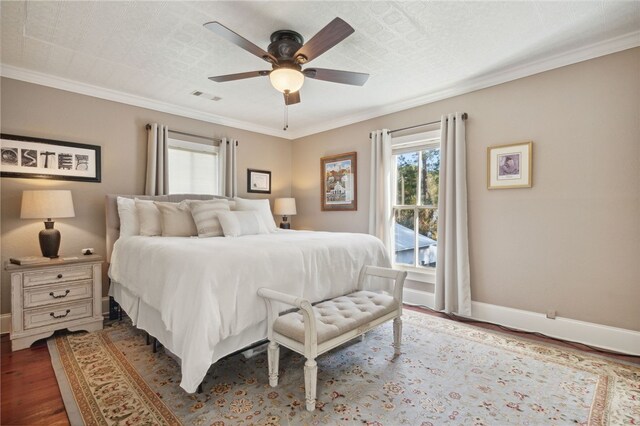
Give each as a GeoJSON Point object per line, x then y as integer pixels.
{"type": "Point", "coordinates": [286, 110]}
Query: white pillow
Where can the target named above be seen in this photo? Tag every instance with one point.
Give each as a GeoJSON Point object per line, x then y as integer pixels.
{"type": "Point", "coordinates": [260, 206]}
{"type": "Point", "coordinates": [149, 218]}
{"type": "Point", "coordinates": [176, 219]}
{"type": "Point", "coordinates": [129, 224]}
{"type": "Point", "coordinates": [205, 216]}
{"type": "Point", "coordinates": [236, 224]}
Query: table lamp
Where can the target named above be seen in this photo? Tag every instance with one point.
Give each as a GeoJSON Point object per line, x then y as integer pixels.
{"type": "Point", "coordinates": [47, 204]}
{"type": "Point", "coordinates": [285, 207]}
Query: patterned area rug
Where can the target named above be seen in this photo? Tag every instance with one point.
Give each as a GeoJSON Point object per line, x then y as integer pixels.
{"type": "Point", "coordinates": [449, 373]}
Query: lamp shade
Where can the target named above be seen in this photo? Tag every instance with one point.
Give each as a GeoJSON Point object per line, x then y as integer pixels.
{"type": "Point", "coordinates": [286, 79]}
{"type": "Point", "coordinates": [46, 204]}
{"type": "Point", "coordinates": [285, 206]}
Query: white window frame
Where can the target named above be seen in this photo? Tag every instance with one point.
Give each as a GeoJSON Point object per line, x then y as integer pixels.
{"type": "Point", "coordinates": [180, 144]}
{"type": "Point", "coordinates": [400, 145]}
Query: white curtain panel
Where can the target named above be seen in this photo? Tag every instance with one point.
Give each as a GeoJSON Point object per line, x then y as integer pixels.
{"type": "Point", "coordinates": [157, 182]}
{"type": "Point", "coordinates": [228, 168]}
{"type": "Point", "coordinates": [453, 289]}
{"type": "Point", "coordinates": [380, 212]}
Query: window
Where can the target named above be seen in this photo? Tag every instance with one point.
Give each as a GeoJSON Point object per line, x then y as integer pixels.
{"type": "Point", "coordinates": [193, 168]}
{"type": "Point", "coordinates": [416, 169]}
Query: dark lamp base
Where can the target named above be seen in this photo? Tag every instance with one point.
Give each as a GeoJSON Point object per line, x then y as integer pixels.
{"type": "Point", "coordinates": [285, 225]}
{"type": "Point", "coordinates": [49, 240]}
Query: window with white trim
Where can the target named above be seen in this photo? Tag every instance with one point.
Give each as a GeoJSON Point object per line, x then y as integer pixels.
{"type": "Point", "coordinates": [193, 167]}
{"type": "Point", "coordinates": [415, 179]}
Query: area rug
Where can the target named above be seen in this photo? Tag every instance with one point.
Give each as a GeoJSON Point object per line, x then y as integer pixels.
{"type": "Point", "coordinates": [448, 373]}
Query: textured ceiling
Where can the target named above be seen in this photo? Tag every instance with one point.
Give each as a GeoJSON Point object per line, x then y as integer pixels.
{"type": "Point", "coordinates": [160, 50]}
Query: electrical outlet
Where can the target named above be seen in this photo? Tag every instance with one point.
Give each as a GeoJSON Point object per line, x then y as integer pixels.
{"type": "Point", "coordinates": [551, 314]}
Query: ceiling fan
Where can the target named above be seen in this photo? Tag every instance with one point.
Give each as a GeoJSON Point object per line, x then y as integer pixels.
{"type": "Point", "coordinates": [287, 53]}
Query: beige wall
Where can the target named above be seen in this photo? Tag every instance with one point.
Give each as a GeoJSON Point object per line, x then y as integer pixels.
{"type": "Point", "coordinates": [572, 242]}
{"type": "Point", "coordinates": [38, 111]}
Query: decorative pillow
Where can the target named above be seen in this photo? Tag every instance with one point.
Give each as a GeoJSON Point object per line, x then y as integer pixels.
{"type": "Point", "coordinates": [260, 206]}
{"type": "Point", "coordinates": [129, 224]}
{"type": "Point", "coordinates": [149, 218]}
{"type": "Point", "coordinates": [236, 224]}
{"type": "Point", "coordinates": [205, 215]}
{"type": "Point", "coordinates": [176, 219]}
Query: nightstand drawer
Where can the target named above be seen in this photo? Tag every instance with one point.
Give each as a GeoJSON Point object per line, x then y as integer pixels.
{"type": "Point", "coordinates": [56, 314]}
{"type": "Point", "coordinates": [52, 276]}
{"type": "Point", "coordinates": [56, 294]}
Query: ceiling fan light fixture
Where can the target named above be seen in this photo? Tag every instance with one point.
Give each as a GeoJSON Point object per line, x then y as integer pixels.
{"type": "Point", "coordinates": [286, 79]}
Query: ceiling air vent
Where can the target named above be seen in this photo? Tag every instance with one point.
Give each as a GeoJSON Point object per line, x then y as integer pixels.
{"type": "Point", "coordinates": [206, 95]}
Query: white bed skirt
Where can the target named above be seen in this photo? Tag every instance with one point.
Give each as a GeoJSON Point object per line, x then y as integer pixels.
{"type": "Point", "coordinates": [149, 319]}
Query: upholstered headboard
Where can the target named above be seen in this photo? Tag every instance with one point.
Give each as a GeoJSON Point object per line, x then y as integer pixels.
{"type": "Point", "coordinates": [113, 219]}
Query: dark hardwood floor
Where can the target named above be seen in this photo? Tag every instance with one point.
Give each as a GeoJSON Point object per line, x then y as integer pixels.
{"type": "Point", "coordinates": [30, 394]}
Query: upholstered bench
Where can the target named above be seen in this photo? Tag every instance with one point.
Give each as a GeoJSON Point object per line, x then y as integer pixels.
{"type": "Point", "coordinates": [314, 330]}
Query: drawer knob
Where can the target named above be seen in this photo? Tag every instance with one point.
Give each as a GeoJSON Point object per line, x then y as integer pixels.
{"type": "Point", "coordinates": [59, 296]}
{"type": "Point", "coordinates": [62, 315]}
{"type": "Point", "coordinates": [59, 275]}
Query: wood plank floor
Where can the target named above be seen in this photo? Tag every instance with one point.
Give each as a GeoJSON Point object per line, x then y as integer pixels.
{"type": "Point", "coordinates": [30, 394]}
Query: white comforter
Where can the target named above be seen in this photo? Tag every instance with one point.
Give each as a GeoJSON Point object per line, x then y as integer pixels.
{"type": "Point", "coordinates": [205, 288]}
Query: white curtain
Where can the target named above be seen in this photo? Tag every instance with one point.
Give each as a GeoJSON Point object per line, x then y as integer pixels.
{"type": "Point", "coordinates": [453, 289]}
{"type": "Point", "coordinates": [157, 182]}
{"type": "Point", "coordinates": [380, 212]}
{"type": "Point", "coordinates": [227, 170]}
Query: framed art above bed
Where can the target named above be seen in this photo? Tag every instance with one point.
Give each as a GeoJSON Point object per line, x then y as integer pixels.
{"type": "Point", "coordinates": [35, 158]}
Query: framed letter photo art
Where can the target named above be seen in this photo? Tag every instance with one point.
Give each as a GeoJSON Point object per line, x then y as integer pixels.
{"type": "Point", "coordinates": [509, 166]}
{"type": "Point", "coordinates": [259, 181]}
{"type": "Point", "coordinates": [339, 185]}
{"type": "Point", "coordinates": [25, 157]}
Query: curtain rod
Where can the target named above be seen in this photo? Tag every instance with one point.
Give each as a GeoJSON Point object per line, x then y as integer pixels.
{"type": "Point", "coordinates": [190, 134]}
{"type": "Point", "coordinates": [464, 117]}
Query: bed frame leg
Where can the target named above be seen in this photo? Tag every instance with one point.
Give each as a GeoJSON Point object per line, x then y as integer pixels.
{"type": "Point", "coordinates": [199, 388]}
{"type": "Point", "coordinates": [310, 381]}
{"type": "Point", "coordinates": [155, 345]}
{"type": "Point", "coordinates": [148, 338]}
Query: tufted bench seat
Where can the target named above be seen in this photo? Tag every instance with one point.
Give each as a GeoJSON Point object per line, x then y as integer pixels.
{"type": "Point", "coordinates": [314, 330]}
{"type": "Point", "coordinates": [337, 316]}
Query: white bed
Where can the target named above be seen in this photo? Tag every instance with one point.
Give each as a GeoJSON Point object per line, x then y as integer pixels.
{"type": "Point", "coordinates": [197, 296]}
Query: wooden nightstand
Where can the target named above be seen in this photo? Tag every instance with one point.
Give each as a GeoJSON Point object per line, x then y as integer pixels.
{"type": "Point", "coordinates": [51, 296]}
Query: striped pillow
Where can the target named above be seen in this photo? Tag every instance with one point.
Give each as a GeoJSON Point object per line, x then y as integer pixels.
{"type": "Point", "coordinates": [205, 215]}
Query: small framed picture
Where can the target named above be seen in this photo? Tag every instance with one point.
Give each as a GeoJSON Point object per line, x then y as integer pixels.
{"type": "Point", "coordinates": [26, 157]}
{"type": "Point", "coordinates": [339, 185]}
{"type": "Point", "coordinates": [509, 166]}
{"type": "Point", "coordinates": [259, 181]}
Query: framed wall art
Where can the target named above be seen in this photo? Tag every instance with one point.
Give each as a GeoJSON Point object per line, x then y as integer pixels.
{"type": "Point", "coordinates": [509, 166]}
{"type": "Point", "coordinates": [339, 188]}
{"type": "Point", "coordinates": [259, 181]}
{"type": "Point", "coordinates": [35, 158]}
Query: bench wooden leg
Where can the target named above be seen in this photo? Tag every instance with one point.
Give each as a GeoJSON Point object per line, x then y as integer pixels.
{"type": "Point", "coordinates": [397, 335]}
{"type": "Point", "coordinates": [273, 355]}
{"type": "Point", "coordinates": [310, 381]}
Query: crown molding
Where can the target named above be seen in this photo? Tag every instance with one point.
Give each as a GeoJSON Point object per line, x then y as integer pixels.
{"type": "Point", "coordinates": [607, 47]}
{"type": "Point", "coordinates": [61, 83]}
{"type": "Point", "coordinates": [595, 50]}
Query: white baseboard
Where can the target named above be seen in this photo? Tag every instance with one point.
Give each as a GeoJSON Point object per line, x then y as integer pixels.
{"type": "Point", "coordinates": [5, 323]}
{"type": "Point", "coordinates": [601, 336]}
{"type": "Point", "coordinates": [5, 319]}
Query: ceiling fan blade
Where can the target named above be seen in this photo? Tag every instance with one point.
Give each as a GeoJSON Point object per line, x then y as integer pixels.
{"type": "Point", "coordinates": [238, 76]}
{"type": "Point", "coordinates": [336, 76]}
{"type": "Point", "coordinates": [240, 41]}
{"type": "Point", "coordinates": [336, 31]}
{"type": "Point", "coordinates": [292, 98]}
